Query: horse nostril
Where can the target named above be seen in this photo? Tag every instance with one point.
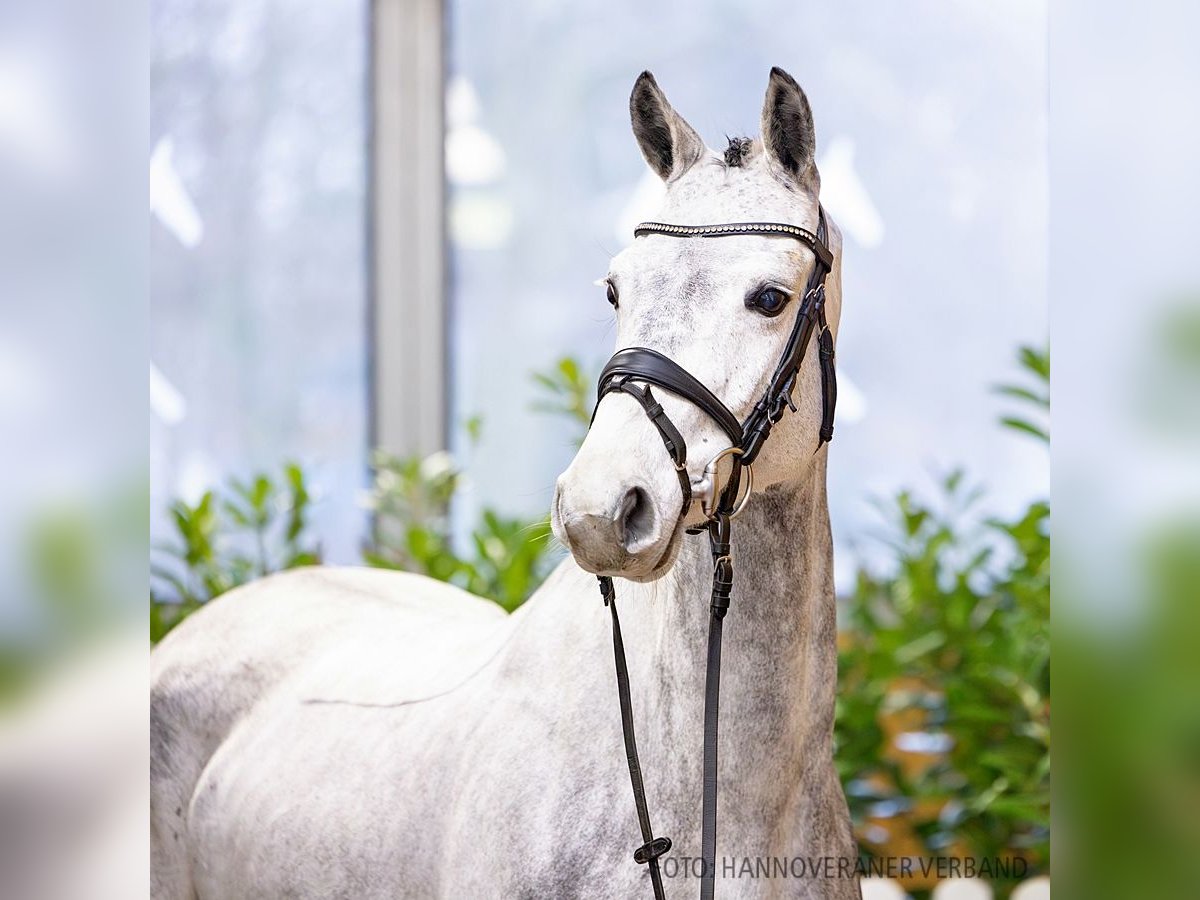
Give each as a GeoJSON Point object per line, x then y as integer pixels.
{"type": "Point", "coordinates": [634, 518]}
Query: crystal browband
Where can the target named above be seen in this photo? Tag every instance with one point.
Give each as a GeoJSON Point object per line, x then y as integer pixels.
{"type": "Point", "coordinates": [726, 229]}
{"type": "Point", "coordinates": [734, 228]}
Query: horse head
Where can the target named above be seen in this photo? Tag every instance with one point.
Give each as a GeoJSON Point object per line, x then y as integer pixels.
{"type": "Point", "coordinates": [723, 310]}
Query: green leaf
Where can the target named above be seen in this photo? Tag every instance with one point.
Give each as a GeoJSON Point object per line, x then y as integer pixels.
{"type": "Point", "coordinates": [1036, 361]}
{"type": "Point", "coordinates": [1026, 427]}
{"type": "Point", "coordinates": [919, 647]}
{"type": "Point", "coordinates": [473, 426]}
{"type": "Point", "coordinates": [1021, 393]}
{"type": "Point", "coordinates": [237, 514]}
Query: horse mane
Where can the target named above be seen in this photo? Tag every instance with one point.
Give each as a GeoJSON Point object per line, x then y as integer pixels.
{"type": "Point", "coordinates": [738, 152]}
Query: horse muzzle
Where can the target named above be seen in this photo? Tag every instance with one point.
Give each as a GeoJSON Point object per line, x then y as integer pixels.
{"type": "Point", "coordinates": [618, 537]}
{"type": "Point", "coordinates": [617, 506]}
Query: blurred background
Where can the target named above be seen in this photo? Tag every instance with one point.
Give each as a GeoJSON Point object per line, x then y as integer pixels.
{"type": "Point", "coordinates": [932, 152]}
{"type": "Point", "coordinates": [372, 336]}
{"type": "Point", "coordinates": [375, 231]}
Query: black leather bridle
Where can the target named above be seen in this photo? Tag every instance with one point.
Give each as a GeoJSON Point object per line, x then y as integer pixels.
{"type": "Point", "coordinates": [632, 372]}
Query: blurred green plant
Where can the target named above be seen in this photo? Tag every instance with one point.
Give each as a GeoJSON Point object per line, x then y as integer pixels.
{"type": "Point", "coordinates": [1131, 797]}
{"type": "Point", "coordinates": [230, 536]}
{"type": "Point", "coordinates": [410, 501]}
{"type": "Point", "coordinates": [943, 718]}
{"type": "Point", "coordinates": [250, 529]}
{"type": "Point", "coordinates": [568, 394]}
{"type": "Point", "coordinates": [410, 497]}
{"type": "Point", "coordinates": [1034, 394]}
{"type": "Point", "coordinates": [75, 580]}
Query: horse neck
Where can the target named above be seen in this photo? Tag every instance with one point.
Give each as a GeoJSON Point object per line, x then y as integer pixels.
{"type": "Point", "coordinates": [779, 673]}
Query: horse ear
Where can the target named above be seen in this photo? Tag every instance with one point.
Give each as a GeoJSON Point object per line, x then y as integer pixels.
{"type": "Point", "coordinates": [670, 145]}
{"type": "Point", "coordinates": [788, 136]}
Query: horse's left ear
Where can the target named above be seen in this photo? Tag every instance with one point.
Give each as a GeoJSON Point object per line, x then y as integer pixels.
{"type": "Point", "coordinates": [788, 136]}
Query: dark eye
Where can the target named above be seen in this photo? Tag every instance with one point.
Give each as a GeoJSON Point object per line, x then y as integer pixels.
{"type": "Point", "coordinates": [769, 301]}
{"type": "Point", "coordinates": [612, 295]}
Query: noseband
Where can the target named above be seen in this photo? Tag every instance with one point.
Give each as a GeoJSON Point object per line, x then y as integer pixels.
{"type": "Point", "coordinates": [632, 372]}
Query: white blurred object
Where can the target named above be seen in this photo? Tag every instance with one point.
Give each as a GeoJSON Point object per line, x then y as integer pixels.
{"type": "Point", "coordinates": [963, 889]}
{"type": "Point", "coordinates": [73, 762]}
{"type": "Point", "coordinates": [33, 128]}
{"type": "Point", "coordinates": [165, 400]}
{"type": "Point", "coordinates": [473, 157]}
{"type": "Point", "coordinates": [851, 401]}
{"type": "Point", "coordinates": [846, 197]}
{"type": "Point", "coordinates": [1033, 889]}
{"type": "Point", "coordinates": [169, 199]}
{"type": "Point", "coordinates": [882, 889]}
{"type": "Point", "coordinates": [480, 221]}
{"type": "Point", "coordinates": [197, 472]}
{"type": "Point", "coordinates": [462, 102]}
{"type": "Point", "coordinates": [923, 742]}
{"type": "Point", "coordinates": [643, 202]}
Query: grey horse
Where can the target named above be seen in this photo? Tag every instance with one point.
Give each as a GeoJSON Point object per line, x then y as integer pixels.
{"type": "Point", "coordinates": [343, 732]}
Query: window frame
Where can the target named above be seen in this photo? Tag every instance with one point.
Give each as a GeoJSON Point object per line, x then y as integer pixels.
{"type": "Point", "coordinates": [407, 242]}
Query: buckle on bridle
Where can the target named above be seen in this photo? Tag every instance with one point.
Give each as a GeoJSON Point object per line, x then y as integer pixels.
{"type": "Point", "coordinates": [783, 399]}
{"type": "Point", "coordinates": [825, 347]}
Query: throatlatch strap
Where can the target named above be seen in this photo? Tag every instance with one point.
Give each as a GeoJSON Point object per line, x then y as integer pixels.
{"type": "Point", "coordinates": [828, 378]}
{"type": "Point", "coordinates": [653, 847]}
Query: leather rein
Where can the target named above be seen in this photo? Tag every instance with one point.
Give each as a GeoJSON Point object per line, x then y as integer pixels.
{"type": "Point", "coordinates": [632, 371]}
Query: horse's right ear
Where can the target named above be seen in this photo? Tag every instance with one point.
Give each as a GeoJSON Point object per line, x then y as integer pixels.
{"type": "Point", "coordinates": [670, 145]}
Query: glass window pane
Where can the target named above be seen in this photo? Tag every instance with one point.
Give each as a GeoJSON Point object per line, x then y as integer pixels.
{"type": "Point", "coordinates": [258, 248]}
{"type": "Point", "coordinates": [931, 133]}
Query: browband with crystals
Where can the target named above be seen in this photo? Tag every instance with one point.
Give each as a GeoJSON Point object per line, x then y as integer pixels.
{"type": "Point", "coordinates": [730, 228]}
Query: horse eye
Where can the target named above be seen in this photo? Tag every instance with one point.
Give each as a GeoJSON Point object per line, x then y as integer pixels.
{"type": "Point", "coordinates": [768, 301]}
{"type": "Point", "coordinates": [612, 295]}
